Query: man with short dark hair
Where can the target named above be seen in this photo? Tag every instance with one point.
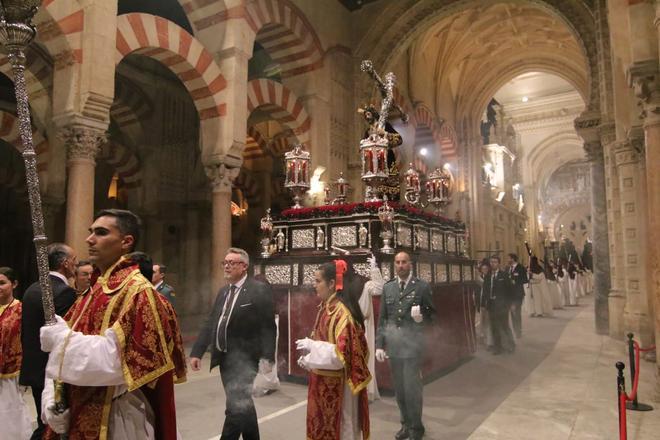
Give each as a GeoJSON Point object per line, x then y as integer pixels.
{"type": "Point", "coordinates": [158, 280]}
{"type": "Point", "coordinates": [406, 306]}
{"type": "Point", "coordinates": [241, 332]}
{"type": "Point", "coordinates": [83, 275]}
{"type": "Point", "coordinates": [61, 265]}
{"type": "Point", "coordinates": [121, 355]}
{"type": "Point", "coordinates": [518, 275]}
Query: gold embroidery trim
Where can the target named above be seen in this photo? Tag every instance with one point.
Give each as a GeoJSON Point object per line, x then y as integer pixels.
{"type": "Point", "coordinates": [105, 415]}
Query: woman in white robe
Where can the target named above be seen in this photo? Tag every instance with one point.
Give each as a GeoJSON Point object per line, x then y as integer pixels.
{"type": "Point", "coordinates": [553, 286]}
{"type": "Point", "coordinates": [539, 289]}
{"type": "Point", "coordinates": [373, 287]}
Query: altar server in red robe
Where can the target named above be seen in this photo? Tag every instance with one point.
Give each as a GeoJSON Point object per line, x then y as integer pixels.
{"type": "Point", "coordinates": [336, 356]}
{"type": "Point", "coordinates": [14, 420]}
{"type": "Point", "coordinates": [117, 351]}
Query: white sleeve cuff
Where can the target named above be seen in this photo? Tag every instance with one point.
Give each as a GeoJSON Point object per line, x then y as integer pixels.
{"type": "Point", "coordinates": [323, 356]}
{"type": "Point", "coordinates": [89, 360]}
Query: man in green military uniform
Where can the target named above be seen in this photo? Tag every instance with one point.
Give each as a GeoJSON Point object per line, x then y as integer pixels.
{"type": "Point", "coordinates": [158, 280]}
{"type": "Point", "coordinates": [406, 305]}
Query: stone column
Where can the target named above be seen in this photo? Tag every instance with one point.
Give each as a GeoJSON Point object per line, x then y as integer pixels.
{"type": "Point", "coordinates": [617, 294]}
{"type": "Point", "coordinates": [643, 76]}
{"type": "Point", "coordinates": [588, 127]}
{"type": "Point", "coordinates": [82, 145]}
{"type": "Point", "coordinates": [221, 181]}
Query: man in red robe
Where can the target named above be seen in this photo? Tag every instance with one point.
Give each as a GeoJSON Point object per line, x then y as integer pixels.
{"type": "Point", "coordinates": [118, 351]}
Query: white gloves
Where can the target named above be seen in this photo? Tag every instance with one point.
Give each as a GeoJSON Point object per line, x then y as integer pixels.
{"type": "Point", "coordinates": [59, 422]}
{"type": "Point", "coordinates": [372, 262]}
{"type": "Point", "coordinates": [381, 355]}
{"type": "Point", "coordinates": [304, 344]}
{"type": "Point", "coordinates": [265, 366]}
{"type": "Point", "coordinates": [52, 335]}
{"type": "Point", "coordinates": [416, 314]}
{"type": "Point", "coordinates": [303, 364]}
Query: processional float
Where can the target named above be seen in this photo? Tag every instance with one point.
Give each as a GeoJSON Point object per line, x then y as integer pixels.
{"type": "Point", "coordinates": [296, 241]}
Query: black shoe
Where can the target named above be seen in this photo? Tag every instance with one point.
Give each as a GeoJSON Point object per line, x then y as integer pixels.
{"type": "Point", "coordinates": [416, 435]}
{"type": "Point", "coordinates": [402, 434]}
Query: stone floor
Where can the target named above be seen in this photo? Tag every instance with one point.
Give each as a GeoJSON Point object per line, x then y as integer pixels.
{"type": "Point", "coordinates": [559, 384]}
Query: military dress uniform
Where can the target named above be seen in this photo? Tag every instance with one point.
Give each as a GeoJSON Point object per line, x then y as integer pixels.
{"type": "Point", "coordinates": [403, 340]}
{"type": "Point", "coordinates": [168, 292]}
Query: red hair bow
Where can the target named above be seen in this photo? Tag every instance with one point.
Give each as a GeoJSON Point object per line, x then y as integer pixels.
{"type": "Point", "coordinates": [340, 269]}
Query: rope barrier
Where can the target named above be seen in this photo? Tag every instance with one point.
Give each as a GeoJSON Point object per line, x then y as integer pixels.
{"type": "Point", "coordinates": [646, 350]}
{"type": "Point", "coordinates": [623, 397]}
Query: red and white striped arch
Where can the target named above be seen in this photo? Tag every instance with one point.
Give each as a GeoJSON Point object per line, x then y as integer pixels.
{"type": "Point", "coordinates": [431, 131]}
{"type": "Point", "coordinates": [124, 161]}
{"type": "Point", "coordinates": [280, 27]}
{"type": "Point", "coordinates": [175, 48]}
{"type": "Point", "coordinates": [282, 105]}
{"type": "Point", "coordinates": [38, 80]}
{"type": "Point", "coordinates": [249, 186]}
{"type": "Point", "coordinates": [131, 105]}
{"type": "Point", "coordinates": [60, 25]}
{"type": "Point", "coordinates": [9, 132]}
{"type": "Point", "coordinates": [256, 146]}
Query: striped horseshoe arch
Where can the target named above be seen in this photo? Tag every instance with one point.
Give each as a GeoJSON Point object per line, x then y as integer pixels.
{"type": "Point", "coordinates": [250, 187]}
{"type": "Point", "coordinates": [256, 147]}
{"type": "Point", "coordinates": [175, 48]}
{"type": "Point", "coordinates": [282, 105]}
{"type": "Point", "coordinates": [125, 163]}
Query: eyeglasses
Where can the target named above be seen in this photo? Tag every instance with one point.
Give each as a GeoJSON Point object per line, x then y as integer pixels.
{"type": "Point", "coordinates": [232, 263]}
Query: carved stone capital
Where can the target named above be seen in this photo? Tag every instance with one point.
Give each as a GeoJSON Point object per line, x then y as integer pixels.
{"type": "Point", "coordinates": [221, 176]}
{"type": "Point", "coordinates": [82, 143]}
{"type": "Point", "coordinates": [644, 78]}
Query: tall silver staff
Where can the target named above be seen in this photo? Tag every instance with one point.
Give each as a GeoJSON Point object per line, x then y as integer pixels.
{"type": "Point", "coordinates": [16, 33]}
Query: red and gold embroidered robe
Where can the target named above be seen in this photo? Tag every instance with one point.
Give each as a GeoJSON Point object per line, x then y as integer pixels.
{"type": "Point", "coordinates": [150, 346]}
{"type": "Point", "coordinates": [11, 352]}
{"type": "Point", "coordinates": [335, 324]}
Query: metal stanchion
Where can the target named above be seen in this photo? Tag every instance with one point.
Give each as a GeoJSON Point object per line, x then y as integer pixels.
{"type": "Point", "coordinates": [621, 391]}
{"type": "Point", "coordinates": [634, 405]}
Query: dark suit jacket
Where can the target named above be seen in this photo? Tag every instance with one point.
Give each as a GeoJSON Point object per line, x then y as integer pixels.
{"type": "Point", "coordinates": [519, 279]}
{"type": "Point", "coordinates": [397, 332]}
{"type": "Point", "coordinates": [33, 367]}
{"type": "Point", "coordinates": [251, 326]}
{"type": "Point", "coordinates": [498, 291]}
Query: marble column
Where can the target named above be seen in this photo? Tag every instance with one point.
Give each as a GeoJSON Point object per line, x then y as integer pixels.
{"type": "Point", "coordinates": [644, 77]}
{"type": "Point", "coordinates": [82, 144]}
{"type": "Point", "coordinates": [632, 183]}
{"type": "Point", "coordinates": [221, 181]}
{"type": "Point", "coordinates": [51, 207]}
{"type": "Point", "coordinates": [588, 127]}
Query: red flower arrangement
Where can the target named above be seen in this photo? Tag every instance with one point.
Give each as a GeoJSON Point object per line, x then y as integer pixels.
{"type": "Point", "coordinates": [363, 208]}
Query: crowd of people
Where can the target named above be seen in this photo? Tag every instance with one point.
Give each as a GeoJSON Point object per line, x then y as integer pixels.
{"type": "Point", "coordinates": [107, 367]}
{"type": "Point", "coordinates": [539, 290]}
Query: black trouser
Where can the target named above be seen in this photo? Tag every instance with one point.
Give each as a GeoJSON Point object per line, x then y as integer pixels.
{"type": "Point", "coordinates": [408, 387]}
{"type": "Point", "coordinates": [516, 316]}
{"type": "Point", "coordinates": [237, 371]}
{"type": "Point", "coordinates": [36, 395]}
{"type": "Point", "coordinates": [499, 321]}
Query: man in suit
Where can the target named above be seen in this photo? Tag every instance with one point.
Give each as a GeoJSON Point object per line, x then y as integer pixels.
{"type": "Point", "coordinates": [62, 263]}
{"type": "Point", "coordinates": [498, 289]}
{"type": "Point", "coordinates": [158, 280]}
{"type": "Point", "coordinates": [406, 305]}
{"type": "Point", "coordinates": [83, 276]}
{"type": "Point", "coordinates": [241, 331]}
{"type": "Point", "coordinates": [518, 276]}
